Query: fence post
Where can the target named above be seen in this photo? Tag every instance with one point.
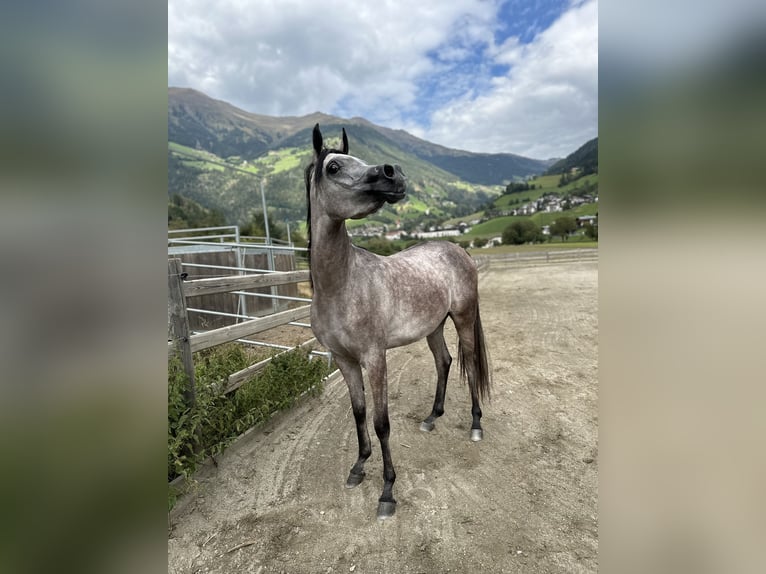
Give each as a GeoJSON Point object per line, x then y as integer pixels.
{"type": "Point", "coordinates": [178, 325]}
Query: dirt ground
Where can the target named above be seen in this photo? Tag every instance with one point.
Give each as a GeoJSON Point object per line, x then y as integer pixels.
{"type": "Point", "coordinates": [522, 500]}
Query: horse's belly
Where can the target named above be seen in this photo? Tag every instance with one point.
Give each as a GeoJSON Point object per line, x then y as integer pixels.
{"type": "Point", "coordinates": [411, 327]}
{"type": "Point", "coordinates": [352, 329]}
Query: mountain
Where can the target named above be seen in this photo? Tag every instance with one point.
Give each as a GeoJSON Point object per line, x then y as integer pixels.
{"type": "Point", "coordinates": [585, 157]}
{"type": "Point", "coordinates": [483, 168]}
{"type": "Point", "coordinates": [218, 154]}
{"type": "Point", "coordinates": [198, 121]}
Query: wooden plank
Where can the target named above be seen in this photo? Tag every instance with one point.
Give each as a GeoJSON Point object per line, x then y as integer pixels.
{"type": "Point", "coordinates": [239, 283]}
{"type": "Point", "coordinates": [178, 325]}
{"type": "Point", "coordinates": [240, 330]}
{"type": "Point", "coordinates": [221, 302]}
{"type": "Point", "coordinates": [237, 379]}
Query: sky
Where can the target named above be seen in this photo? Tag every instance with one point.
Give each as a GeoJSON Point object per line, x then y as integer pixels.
{"type": "Point", "coordinates": [486, 76]}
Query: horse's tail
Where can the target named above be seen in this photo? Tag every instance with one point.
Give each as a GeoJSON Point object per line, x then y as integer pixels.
{"type": "Point", "coordinates": [481, 380]}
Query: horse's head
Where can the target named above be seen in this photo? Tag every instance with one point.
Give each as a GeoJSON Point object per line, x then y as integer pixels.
{"type": "Point", "coordinates": [345, 187]}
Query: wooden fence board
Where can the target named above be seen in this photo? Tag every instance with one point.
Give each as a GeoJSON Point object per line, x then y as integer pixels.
{"type": "Point", "coordinates": [243, 282]}
{"type": "Point", "coordinates": [178, 328]}
{"type": "Point", "coordinates": [237, 379]}
{"type": "Point", "coordinates": [233, 332]}
{"type": "Point", "coordinates": [225, 302]}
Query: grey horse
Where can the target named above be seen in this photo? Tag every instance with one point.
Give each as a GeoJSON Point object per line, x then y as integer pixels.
{"type": "Point", "coordinates": [364, 304]}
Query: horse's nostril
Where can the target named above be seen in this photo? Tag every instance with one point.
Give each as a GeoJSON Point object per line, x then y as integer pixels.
{"type": "Point", "coordinates": [388, 170]}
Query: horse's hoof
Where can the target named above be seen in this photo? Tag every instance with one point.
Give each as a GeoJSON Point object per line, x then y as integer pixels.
{"type": "Point", "coordinates": [386, 509]}
{"type": "Point", "coordinates": [354, 480]}
{"type": "Point", "coordinates": [477, 435]}
{"type": "Point", "coordinates": [426, 426]}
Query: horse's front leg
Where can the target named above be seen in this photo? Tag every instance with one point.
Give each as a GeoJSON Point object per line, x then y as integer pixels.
{"type": "Point", "coordinates": [376, 369]}
{"type": "Point", "coordinates": [352, 373]}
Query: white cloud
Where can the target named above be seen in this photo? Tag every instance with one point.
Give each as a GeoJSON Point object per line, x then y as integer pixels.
{"type": "Point", "coordinates": [393, 62]}
{"type": "Point", "coordinates": [295, 57]}
{"type": "Point", "coordinates": [547, 104]}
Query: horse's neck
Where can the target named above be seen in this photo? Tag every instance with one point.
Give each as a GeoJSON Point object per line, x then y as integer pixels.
{"type": "Point", "coordinates": [331, 253]}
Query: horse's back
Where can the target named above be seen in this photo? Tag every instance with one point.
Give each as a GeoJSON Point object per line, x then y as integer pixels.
{"type": "Point", "coordinates": [443, 259]}
{"type": "Point", "coordinates": [445, 270]}
{"type": "Point", "coordinates": [438, 249]}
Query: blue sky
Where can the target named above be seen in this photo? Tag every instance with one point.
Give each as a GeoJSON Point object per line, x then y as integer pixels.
{"type": "Point", "coordinates": [481, 75]}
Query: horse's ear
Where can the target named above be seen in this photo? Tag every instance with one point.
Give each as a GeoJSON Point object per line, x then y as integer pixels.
{"type": "Point", "coordinates": [317, 140]}
{"type": "Point", "coordinates": [344, 139]}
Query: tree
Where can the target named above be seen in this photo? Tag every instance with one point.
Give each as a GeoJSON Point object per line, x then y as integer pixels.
{"type": "Point", "coordinates": [298, 239]}
{"type": "Point", "coordinates": [514, 187]}
{"type": "Point", "coordinates": [563, 226]}
{"type": "Point", "coordinates": [379, 245]}
{"type": "Point", "coordinates": [479, 242]}
{"type": "Point", "coordinates": [522, 231]}
{"type": "Point", "coordinates": [184, 213]}
{"type": "Point", "coordinates": [257, 228]}
{"type": "Point", "coordinates": [591, 231]}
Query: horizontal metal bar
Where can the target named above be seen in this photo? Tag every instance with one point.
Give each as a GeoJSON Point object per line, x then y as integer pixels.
{"type": "Point", "coordinates": [195, 229]}
{"type": "Point", "coordinates": [273, 240]}
{"type": "Point", "coordinates": [285, 347]}
{"type": "Point", "coordinates": [240, 244]}
{"type": "Point", "coordinates": [263, 344]}
{"type": "Point", "coordinates": [219, 313]}
{"type": "Point", "coordinates": [238, 316]}
{"type": "Point", "coordinates": [322, 353]}
{"type": "Point", "coordinates": [200, 341]}
{"type": "Point", "coordinates": [267, 296]}
{"type": "Point", "coordinates": [186, 239]}
{"type": "Point", "coordinates": [205, 266]}
{"type": "Point", "coordinates": [230, 283]}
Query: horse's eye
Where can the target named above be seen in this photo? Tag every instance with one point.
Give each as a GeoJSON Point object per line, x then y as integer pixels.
{"type": "Point", "coordinates": [333, 168]}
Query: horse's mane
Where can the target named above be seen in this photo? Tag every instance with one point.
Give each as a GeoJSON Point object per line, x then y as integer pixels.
{"type": "Point", "coordinates": [317, 176]}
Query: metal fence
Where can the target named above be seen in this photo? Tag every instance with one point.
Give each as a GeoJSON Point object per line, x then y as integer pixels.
{"type": "Point", "coordinates": [211, 252]}
{"type": "Point", "coordinates": [542, 257]}
{"type": "Point", "coordinates": [225, 287]}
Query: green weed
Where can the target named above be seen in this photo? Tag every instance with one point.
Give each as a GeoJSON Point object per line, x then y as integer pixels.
{"type": "Point", "coordinates": [208, 427]}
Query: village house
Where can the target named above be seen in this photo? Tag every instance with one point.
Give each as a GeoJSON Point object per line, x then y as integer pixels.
{"type": "Point", "coordinates": [584, 220]}
{"type": "Point", "coordinates": [452, 232]}
{"type": "Point", "coordinates": [493, 242]}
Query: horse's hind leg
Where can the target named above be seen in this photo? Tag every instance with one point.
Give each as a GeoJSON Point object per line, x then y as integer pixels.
{"type": "Point", "coordinates": [468, 347]}
{"type": "Point", "coordinates": [352, 373]}
{"type": "Point", "coordinates": [443, 361]}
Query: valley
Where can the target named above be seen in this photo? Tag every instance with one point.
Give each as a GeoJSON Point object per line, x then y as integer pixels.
{"type": "Point", "coordinates": [218, 156]}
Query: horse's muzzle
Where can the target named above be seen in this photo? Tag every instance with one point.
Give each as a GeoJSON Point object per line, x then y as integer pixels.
{"type": "Point", "coordinates": [394, 197]}
{"type": "Point", "coordinates": [384, 172]}
{"type": "Point", "coordinates": [389, 182]}
{"type": "Point", "coordinates": [390, 171]}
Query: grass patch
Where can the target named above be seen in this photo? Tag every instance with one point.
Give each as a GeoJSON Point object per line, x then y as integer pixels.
{"type": "Point", "coordinates": [287, 160]}
{"type": "Point", "coordinates": [200, 160]}
{"type": "Point", "coordinates": [186, 149]}
{"type": "Point", "coordinates": [414, 204]}
{"type": "Point", "coordinates": [201, 164]}
{"type": "Point", "coordinates": [495, 226]}
{"type": "Point", "coordinates": [216, 420]}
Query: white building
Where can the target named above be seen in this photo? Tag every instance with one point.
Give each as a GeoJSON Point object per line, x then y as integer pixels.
{"type": "Point", "coordinates": [437, 233]}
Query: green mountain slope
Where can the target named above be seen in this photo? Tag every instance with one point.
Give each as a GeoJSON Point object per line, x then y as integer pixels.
{"type": "Point", "coordinates": [585, 157]}
{"type": "Point", "coordinates": [218, 154]}
{"type": "Point", "coordinates": [483, 168]}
